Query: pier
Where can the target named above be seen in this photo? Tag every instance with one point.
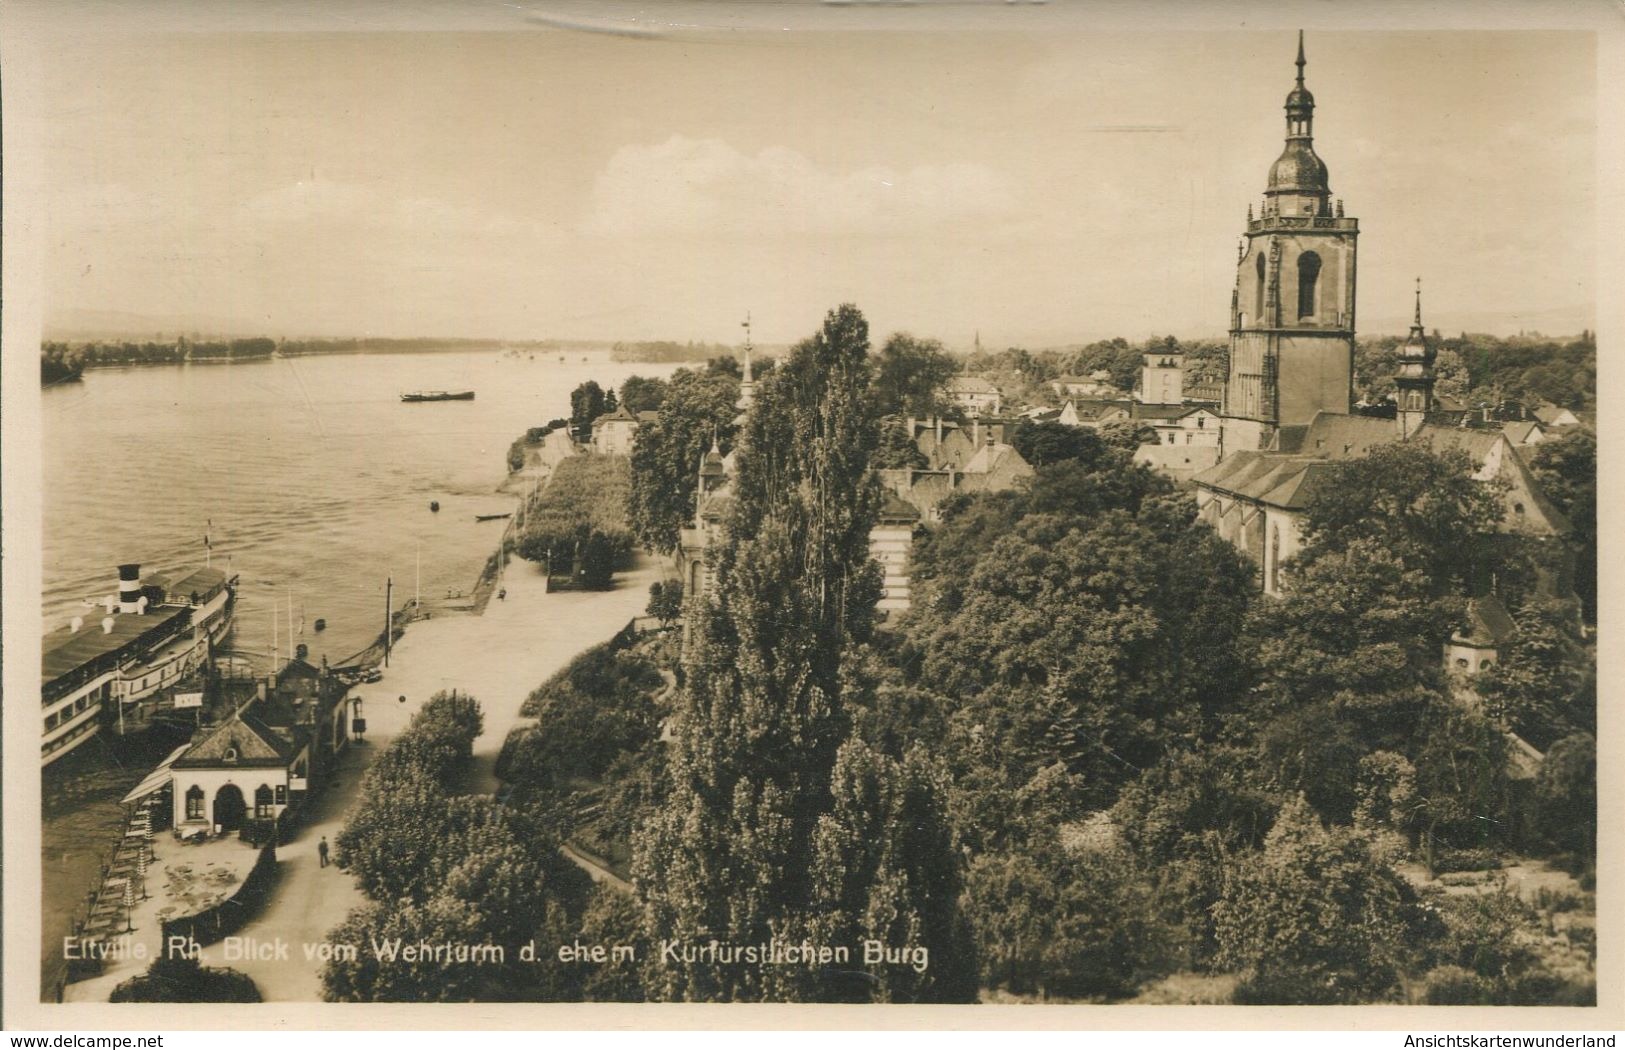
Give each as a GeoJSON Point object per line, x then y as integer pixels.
{"type": "Point", "coordinates": [498, 656]}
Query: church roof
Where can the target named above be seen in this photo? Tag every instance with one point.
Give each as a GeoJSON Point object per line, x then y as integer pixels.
{"type": "Point", "coordinates": [1336, 436]}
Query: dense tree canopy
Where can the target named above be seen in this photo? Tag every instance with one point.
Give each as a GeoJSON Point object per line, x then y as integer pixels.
{"type": "Point", "coordinates": [699, 408]}
{"type": "Point", "coordinates": [911, 377]}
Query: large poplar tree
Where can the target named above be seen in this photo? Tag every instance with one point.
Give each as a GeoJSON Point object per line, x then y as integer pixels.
{"type": "Point", "coordinates": [731, 855]}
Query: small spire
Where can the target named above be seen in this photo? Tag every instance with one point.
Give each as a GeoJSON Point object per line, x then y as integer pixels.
{"type": "Point", "coordinates": [1418, 322]}
{"type": "Point", "coordinates": [1300, 58]}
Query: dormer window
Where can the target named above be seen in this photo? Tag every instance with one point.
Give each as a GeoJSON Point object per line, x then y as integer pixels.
{"type": "Point", "coordinates": [230, 755]}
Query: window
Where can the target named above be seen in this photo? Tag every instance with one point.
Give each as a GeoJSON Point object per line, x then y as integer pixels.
{"type": "Point", "coordinates": [282, 794]}
{"type": "Point", "coordinates": [230, 755]}
{"type": "Point", "coordinates": [1485, 665]}
{"type": "Point", "coordinates": [262, 802]}
{"type": "Point", "coordinates": [1259, 289]}
{"type": "Point", "coordinates": [1517, 508]}
{"type": "Point", "coordinates": [1170, 438]}
{"type": "Point", "coordinates": [50, 722]}
{"type": "Point", "coordinates": [194, 803]}
{"type": "Point", "coordinates": [1461, 662]}
{"type": "Point", "coordinates": [1308, 278]}
{"type": "Point", "coordinates": [1201, 422]}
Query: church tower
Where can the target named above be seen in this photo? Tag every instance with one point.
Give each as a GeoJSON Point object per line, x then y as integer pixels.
{"type": "Point", "coordinates": [1292, 311]}
{"type": "Point", "coordinates": [1414, 378]}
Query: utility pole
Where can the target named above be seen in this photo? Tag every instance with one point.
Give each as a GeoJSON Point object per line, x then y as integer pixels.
{"type": "Point", "coordinates": [389, 626]}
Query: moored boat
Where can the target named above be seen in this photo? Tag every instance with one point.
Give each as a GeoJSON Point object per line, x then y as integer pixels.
{"type": "Point", "coordinates": [438, 395]}
{"type": "Point", "coordinates": [152, 636]}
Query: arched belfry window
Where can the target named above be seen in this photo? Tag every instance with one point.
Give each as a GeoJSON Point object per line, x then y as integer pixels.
{"type": "Point", "coordinates": [1308, 278]}
{"type": "Point", "coordinates": [1258, 312]}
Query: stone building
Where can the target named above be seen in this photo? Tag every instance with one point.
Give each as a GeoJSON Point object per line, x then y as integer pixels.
{"type": "Point", "coordinates": [1292, 310]}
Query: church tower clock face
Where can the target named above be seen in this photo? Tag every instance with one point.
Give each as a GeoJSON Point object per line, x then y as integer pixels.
{"type": "Point", "coordinates": [1292, 319]}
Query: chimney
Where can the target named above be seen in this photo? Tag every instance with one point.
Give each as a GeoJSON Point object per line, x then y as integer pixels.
{"type": "Point", "coordinates": [259, 689]}
{"type": "Point", "coordinates": [129, 588]}
{"type": "Point", "coordinates": [938, 421]}
{"type": "Point", "coordinates": [76, 623]}
{"type": "Point", "coordinates": [107, 625]}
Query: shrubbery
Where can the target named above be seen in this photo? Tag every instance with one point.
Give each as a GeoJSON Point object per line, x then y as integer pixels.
{"type": "Point", "coordinates": [179, 979]}
{"type": "Point", "coordinates": [577, 524]}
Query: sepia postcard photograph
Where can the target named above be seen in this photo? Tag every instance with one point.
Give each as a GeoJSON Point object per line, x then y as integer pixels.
{"type": "Point", "coordinates": [1030, 508]}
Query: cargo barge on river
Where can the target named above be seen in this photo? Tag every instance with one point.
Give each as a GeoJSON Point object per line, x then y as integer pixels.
{"type": "Point", "coordinates": [114, 670]}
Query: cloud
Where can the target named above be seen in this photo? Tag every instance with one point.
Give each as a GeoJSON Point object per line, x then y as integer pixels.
{"type": "Point", "coordinates": [686, 186]}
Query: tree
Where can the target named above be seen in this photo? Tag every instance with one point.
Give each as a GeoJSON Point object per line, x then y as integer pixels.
{"type": "Point", "coordinates": [1422, 505]}
{"type": "Point", "coordinates": [1316, 917]}
{"type": "Point", "coordinates": [1566, 467]}
{"type": "Point", "coordinates": [665, 601]}
{"type": "Point", "coordinates": [1057, 922]}
{"type": "Point", "coordinates": [1566, 795]}
{"type": "Point", "coordinates": [1127, 434]}
{"type": "Point", "coordinates": [761, 714]}
{"type": "Point", "coordinates": [1543, 686]}
{"type": "Point", "coordinates": [699, 408]}
{"type": "Point", "coordinates": [1041, 444]}
{"type": "Point", "coordinates": [896, 449]}
{"type": "Point", "coordinates": [599, 555]}
{"type": "Point", "coordinates": [1093, 641]}
{"type": "Point", "coordinates": [643, 394]}
{"type": "Point", "coordinates": [586, 405]}
{"type": "Point", "coordinates": [886, 869]}
{"type": "Point", "coordinates": [1356, 628]}
{"type": "Point", "coordinates": [911, 377]}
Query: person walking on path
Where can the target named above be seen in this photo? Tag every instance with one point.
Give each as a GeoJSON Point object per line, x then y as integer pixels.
{"type": "Point", "coordinates": [321, 850]}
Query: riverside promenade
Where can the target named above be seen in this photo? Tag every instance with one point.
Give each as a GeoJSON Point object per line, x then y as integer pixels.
{"type": "Point", "coordinates": [498, 657]}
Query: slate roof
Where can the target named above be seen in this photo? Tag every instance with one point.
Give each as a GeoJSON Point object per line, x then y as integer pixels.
{"type": "Point", "coordinates": [1518, 433]}
{"type": "Point", "coordinates": [1488, 623]}
{"type": "Point", "coordinates": [1143, 411]}
{"type": "Point", "coordinates": [894, 510]}
{"type": "Point", "coordinates": [1096, 408]}
{"type": "Point", "coordinates": [971, 385]}
{"type": "Point", "coordinates": [257, 745]}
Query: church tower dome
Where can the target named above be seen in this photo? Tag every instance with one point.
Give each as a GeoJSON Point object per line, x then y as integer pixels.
{"type": "Point", "coordinates": [1299, 171]}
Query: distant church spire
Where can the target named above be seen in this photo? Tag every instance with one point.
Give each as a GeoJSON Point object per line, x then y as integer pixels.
{"type": "Point", "coordinates": [747, 384]}
{"type": "Point", "coordinates": [1414, 378]}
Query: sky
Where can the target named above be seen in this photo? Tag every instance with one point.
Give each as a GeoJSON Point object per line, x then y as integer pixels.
{"type": "Point", "coordinates": [1036, 188]}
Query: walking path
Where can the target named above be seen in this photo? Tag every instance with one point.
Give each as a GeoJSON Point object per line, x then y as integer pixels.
{"type": "Point", "coordinates": [498, 657]}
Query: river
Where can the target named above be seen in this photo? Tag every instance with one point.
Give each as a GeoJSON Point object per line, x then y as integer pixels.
{"type": "Point", "coordinates": [312, 481]}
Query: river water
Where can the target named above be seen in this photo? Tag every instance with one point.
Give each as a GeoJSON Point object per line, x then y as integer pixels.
{"type": "Point", "coordinates": [312, 481]}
